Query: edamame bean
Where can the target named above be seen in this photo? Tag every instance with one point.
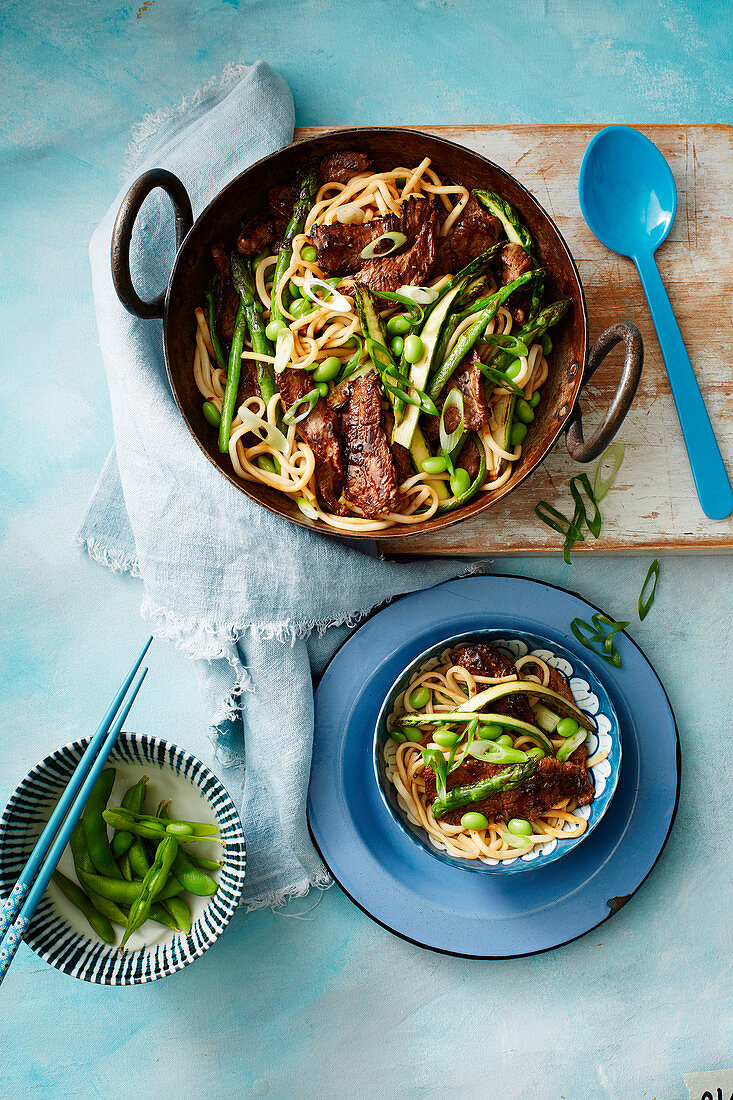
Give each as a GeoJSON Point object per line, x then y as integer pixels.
{"type": "Point", "coordinates": [524, 411]}
{"type": "Point", "coordinates": [398, 736]}
{"type": "Point", "coordinates": [299, 307]}
{"type": "Point", "coordinates": [322, 388]}
{"type": "Point", "coordinates": [420, 697]}
{"type": "Point", "coordinates": [518, 434]}
{"type": "Point", "coordinates": [519, 826]}
{"type": "Point", "coordinates": [535, 399]}
{"type": "Point", "coordinates": [399, 325]}
{"type": "Point", "coordinates": [546, 343]}
{"type": "Point", "coordinates": [474, 821]}
{"type": "Point", "coordinates": [180, 828]}
{"type": "Point", "coordinates": [273, 329]}
{"type": "Point", "coordinates": [211, 414]}
{"type": "Point", "coordinates": [309, 254]}
{"type": "Point", "coordinates": [413, 735]}
{"type": "Point", "coordinates": [567, 727]}
{"type": "Point", "coordinates": [506, 740]}
{"type": "Point", "coordinates": [489, 732]}
{"type": "Point", "coordinates": [265, 463]}
{"type": "Point", "coordinates": [413, 348]}
{"type": "Point", "coordinates": [294, 290]}
{"type": "Point", "coordinates": [446, 738]}
{"type": "Point", "coordinates": [460, 482]}
{"type": "Point", "coordinates": [397, 344]}
{"type": "Point", "coordinates": [327, 370]}
{"type": "Point", "coordinates": [434, 465]}
{"type": "Point", "coordinates": [514, 368]}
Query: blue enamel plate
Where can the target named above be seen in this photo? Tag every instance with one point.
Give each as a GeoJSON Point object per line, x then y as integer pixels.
{"type": "Point", "coordinates": [436, 903]}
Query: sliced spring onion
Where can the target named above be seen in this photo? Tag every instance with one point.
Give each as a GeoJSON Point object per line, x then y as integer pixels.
{"type": "Point", "coordinates": [645, 605]}
{"type": "Point", "coordinates": [423, 295]}
{"type": "Point", "coordinates": [492, 753]}
{"type": "Point", "coordinates": [264, 431]}
{"type": "Point", "coordinates": [416, 312]}
{"type": "Point", "coordinates": [350, 214]}
{"type": "Point", "coordinates": [391, 377]}
{"type": "Point", "coordinates": [506, 342]}
{"type": "Point", "coordinates": [581, 515]}
{"type": "Point", "coordinates": [351, 364]}
{"type": "Point", "coordinates": [283, 349]}
{"type": "Point", "coordinates": [308, 401]}
{"type": "Point", "coordinates": [498, 377]}
{"type": "Point", "coordinates": [306, 507]}
{"type": "Point", "coordinates": [569, 746]}
{"type": "Point", "coordinates": [587, 635]}
{"type": "Point", "coordinates": [434, 759]}
{"type": "Point", "coordinates": [605, 478]}
{"type": "Point", "coordinates": [375, 249]}
{"type": "Point", "coordinates": [449, 441]}
{"type": "Point", "coordinates": [556, 520]}
{"type": "Point", "coordinates": [335, 301]}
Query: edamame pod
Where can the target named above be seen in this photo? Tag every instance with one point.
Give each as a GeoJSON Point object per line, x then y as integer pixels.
{"type": "Point", "coordinates": [125, 893]}
{"type": "Point", "coordinates": [191, 878]}
{"type": "Point", "coordinates": [77, 897]}
{"type": "Point", "coordinates": [181, 914]}
{"type": "Point", "coordinates": [152, 886]}
{"type": "Point", "coordinates": [95, 829]}
{"type": "Point", "coordinates": [133, 800]}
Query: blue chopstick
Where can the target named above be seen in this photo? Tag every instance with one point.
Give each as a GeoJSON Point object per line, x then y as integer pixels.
{"type": "Point", "coordinates": [45, 856]}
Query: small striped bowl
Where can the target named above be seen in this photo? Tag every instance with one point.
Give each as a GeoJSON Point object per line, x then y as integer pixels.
{"type": "Point", "coordinates": [58, 932]}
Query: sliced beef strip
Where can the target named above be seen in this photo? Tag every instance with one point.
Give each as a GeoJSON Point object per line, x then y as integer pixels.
{"type": "Point", "coordinates": [470, 382]}
{"type": "Point", "coordinates": [470, 459]}
{"type": "Point", "coordinates": [400, 455]}
{"type": "Point", "coordinates": [339, 247]}
{"type": "Point", "coordinates": [473, 232]}
{"type": "Point", "coordinates": [280, 203]}
{"type": "Point", "coordinates": [225, 296]}
{"type": "Point", "coordinates": [557, 682]}
{"type": "Point", "coordinates": [551, 783]}
{"type": "Point", "coordinates": [256, 235]}
{"type": "Point", "coordinates": [320, 431]}
{"type": "Point", "coordinates": [513, 262]}
{"type": "Point", "coordinates": [483, 659]}
{"type": "Point", "coordinates": [371, 481]}
{"type": "Point", "coordinates": [342, 167]}
{"type": "Point", "coordinates": [413, 266]}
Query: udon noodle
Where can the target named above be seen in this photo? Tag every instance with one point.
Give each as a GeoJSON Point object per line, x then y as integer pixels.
{"type": "Point", "coordinates": [323, 333]}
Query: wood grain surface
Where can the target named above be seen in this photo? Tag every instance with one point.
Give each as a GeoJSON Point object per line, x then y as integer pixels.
{"type": "Point", "coordinates": [653, 505]}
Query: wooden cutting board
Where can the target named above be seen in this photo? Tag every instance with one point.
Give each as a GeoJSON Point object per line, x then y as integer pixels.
{"type": "Point", "coordinates": [653, 505]}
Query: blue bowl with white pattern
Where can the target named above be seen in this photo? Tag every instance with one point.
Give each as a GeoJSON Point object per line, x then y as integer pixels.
{"type": "Point", "coordinates": [59, 933]}
{"type": "Point", "coordinates": [590, 696]}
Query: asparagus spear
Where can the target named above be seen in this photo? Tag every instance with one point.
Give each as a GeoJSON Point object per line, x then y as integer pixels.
{"type": "Point", "coordinates": [549, 316]}
{"type": "Point", "coordinates": [473, 335]}
{"type": "Point", "coordinates": [308, 188]}
{"type": "Point", "coordinates": [506, 780]}
{"type": "Point", "coordinates": [244, 283]}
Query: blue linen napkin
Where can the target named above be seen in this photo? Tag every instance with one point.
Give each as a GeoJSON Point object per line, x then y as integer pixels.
{"type": "Point", "coordinates": [257, 602]}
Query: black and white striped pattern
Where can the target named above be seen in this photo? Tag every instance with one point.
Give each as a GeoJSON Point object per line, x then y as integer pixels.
{"type": "Point", "coordinates": [49, 935]}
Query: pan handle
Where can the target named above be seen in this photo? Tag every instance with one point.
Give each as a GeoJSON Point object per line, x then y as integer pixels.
{"type": "Point", "coordinates": [621, 401]}
{"type": "Point", "coordinates": [122, 235]}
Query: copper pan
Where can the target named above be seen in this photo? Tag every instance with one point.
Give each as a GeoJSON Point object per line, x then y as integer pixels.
{"type": "Point", "coordinates": [572, 363]}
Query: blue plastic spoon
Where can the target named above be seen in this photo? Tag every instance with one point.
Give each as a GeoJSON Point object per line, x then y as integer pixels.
{"type": "Point", "coordinates": [629, 199]}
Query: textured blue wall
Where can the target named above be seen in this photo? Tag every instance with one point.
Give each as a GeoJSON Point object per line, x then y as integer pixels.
{"type": "Point", "coordinates": [329, 1005]}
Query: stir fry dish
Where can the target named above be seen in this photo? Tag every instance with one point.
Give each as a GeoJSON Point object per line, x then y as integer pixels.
{"type": "Point", "coordinates": [488, 755]}
{"type": "Point", "coordinates": [141, 872]}
{"type": "Point", "coordinates": [374, 344]}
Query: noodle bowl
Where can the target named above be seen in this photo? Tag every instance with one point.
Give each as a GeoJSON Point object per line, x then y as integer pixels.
{"type": "Point", "coordinates": [401, 769]}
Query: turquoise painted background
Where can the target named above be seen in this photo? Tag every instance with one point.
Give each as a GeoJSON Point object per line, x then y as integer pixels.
{"type": "Point", "coordinates": [330, 1004]}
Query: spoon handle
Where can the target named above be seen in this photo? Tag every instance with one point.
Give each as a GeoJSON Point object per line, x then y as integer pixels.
{"type": "Point", "coordinates": [711, 480]}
